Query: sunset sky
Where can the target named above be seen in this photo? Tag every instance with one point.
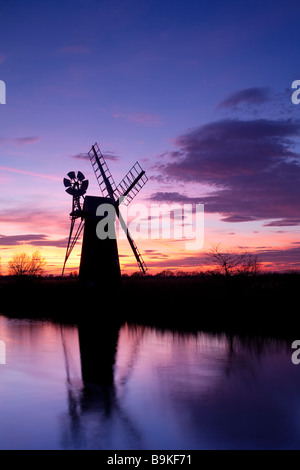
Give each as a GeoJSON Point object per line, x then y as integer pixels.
{"type": "Point", "coordinates": [199, 92]}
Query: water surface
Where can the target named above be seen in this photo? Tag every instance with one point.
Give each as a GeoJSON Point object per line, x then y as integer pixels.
{"type": "Point", "coordinates": [139, 388]}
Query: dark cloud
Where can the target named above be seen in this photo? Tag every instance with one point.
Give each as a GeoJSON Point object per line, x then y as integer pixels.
{"type": "Point", "coordinates": [283, 223]}
{"type": "Point", "coordinates": [248, 96]}
{"type": "Point", "coordinates": [111, 156]}
{"type": "Point", "coordinates": [80, 156]}
{"type": "Point", "coordinates": [31, 239]}
{"type": "Point", "coordinates": [173, 263]}
{"type": "Point", "coordinates": [157, 255]}
{"type": "Point", "coordinates": [174, 197]}
{"type": "Point", "coordinates": [273, 259]}
{"type": "Point", "coordinates": [10, 240]}
{"type": "Point", "coordinates": [107, 155]}
{"type": "Point", "coordinates": [281, 259]}
{"type": "Point", "coordinates": [252, 167]}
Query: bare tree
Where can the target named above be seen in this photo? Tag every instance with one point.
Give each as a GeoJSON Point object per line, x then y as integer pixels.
{"type": "Point", "coordinates": [250, 265]}
{"type": "Point", "coordinates": [230, 262]}
{"type": "Point", "coordinates": [24, 265]}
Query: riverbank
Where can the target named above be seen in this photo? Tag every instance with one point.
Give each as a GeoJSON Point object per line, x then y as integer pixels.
{"type": "Point", "coordinates": [264, 304]}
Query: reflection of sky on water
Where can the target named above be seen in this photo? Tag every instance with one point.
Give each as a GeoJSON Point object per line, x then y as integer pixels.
{"type": "Point", "coordinates": [170, 391]}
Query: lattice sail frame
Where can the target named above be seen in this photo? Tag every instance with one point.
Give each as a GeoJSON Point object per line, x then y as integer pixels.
{"type": "Point", "coordinates": [131, 184]}
{"type": "Point", "coordinates": [127, 189]}
{"type": "Point", "coordinates": [98, 163]}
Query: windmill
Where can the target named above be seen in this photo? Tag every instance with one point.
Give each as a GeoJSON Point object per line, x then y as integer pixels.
{"type": "Point", "coordinates": [99, 257]}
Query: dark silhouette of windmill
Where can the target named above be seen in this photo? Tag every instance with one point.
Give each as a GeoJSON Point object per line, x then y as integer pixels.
{"type": "Point", "coordinates": [99, 263]}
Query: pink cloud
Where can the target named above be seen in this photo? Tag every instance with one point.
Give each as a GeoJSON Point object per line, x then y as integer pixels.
{"type": "Point", "coordinates": [26, 140]}
{"type": "Point", "coordinates": [30, 173]}
{"type": "Point", "coordinates": [27, 219]}
{"type": "Point", "coordinates": [21, 140]}
{"type": "Point", "coordinates": [2, 58]}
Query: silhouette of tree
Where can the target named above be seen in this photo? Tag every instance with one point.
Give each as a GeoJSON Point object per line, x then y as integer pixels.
{"type": "Point", "coordinates": [73, 274]}
{"type": "Point", "coordinates": [230, 262]}
{"type": "Point", "coordinates": [24, 265]}
{"type": "Point", "coordinates": [250, 266]}
{"type": "Point", "coordinates": [166, 273]}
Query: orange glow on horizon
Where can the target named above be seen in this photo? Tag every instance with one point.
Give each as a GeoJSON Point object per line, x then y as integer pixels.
{"type": "Point", "coordinates": [173, 258]}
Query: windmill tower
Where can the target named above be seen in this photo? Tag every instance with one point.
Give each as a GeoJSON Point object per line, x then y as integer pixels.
{"type": "Point", "coordinates": [99, 263]}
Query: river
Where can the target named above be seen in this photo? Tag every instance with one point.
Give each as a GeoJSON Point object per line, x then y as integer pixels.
{"type": "Point", "coordinates": [135, 387]}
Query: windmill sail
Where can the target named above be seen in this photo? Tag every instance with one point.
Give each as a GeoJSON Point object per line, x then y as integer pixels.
{"type": "Point", "coordinates": [72, 240]}
{"type": "Point", "coordinates": [136, 252]}
{"type": "Point", "coordinates": [102, 173]}
{"type": "Point", "coordinates": [131, 184]}
{"type": "Point", "coordinates": [125, 192]}
{"type": "Point", "coordinates": [76, 186]}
